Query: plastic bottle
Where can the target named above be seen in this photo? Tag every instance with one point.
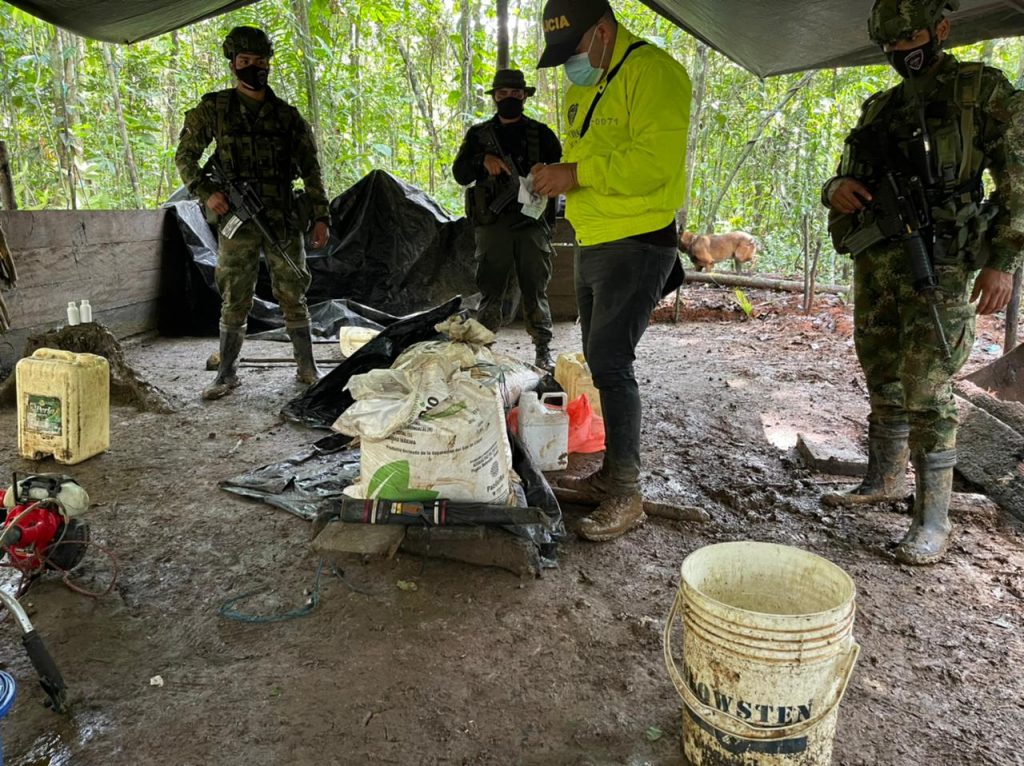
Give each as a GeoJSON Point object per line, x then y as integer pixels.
{"type": "Point", "coordinates": [544, 430]}
{"type": "Point", "coordinates": [85, 310]}
{"type": "Point", "coordinates": [74, 317]}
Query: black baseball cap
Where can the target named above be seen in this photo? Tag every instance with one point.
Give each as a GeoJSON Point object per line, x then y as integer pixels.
{"type": "Point", "coordinates": [565, 22]}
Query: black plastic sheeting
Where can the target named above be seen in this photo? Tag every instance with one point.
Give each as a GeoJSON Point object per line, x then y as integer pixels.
{"type": "Point", "coordinates": [325, 400]}
{"type": "Point", "coordinates": [312, 482]}
{"type": "Point", "coordinates": [392, 248]}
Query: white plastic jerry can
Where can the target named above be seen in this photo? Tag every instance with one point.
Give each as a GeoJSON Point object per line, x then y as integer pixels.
{"type": "Point", "coordinates": [63, 405]}
{"type": "Point", "coordinates": [544, 429]}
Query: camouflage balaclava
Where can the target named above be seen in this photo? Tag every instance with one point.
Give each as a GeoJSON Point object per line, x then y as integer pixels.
{"type": "Point", "coordinates": [894, 20]}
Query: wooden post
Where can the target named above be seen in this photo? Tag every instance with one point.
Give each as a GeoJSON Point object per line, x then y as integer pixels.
{"type": "Point", "coordinates": [7, 200]}
{"type": "Point", "coordinates": [1013, 313]}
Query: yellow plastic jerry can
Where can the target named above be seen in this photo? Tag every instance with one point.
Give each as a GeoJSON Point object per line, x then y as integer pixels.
{"type": "Point", "coordinates": [63, 405]}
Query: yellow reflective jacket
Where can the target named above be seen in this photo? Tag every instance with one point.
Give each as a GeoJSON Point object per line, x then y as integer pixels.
{"type": "Point", "coordinates": [631, 162]}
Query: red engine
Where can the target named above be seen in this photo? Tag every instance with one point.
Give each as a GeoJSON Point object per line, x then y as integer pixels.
{"type": "Point", "coordinates": [38, 535]}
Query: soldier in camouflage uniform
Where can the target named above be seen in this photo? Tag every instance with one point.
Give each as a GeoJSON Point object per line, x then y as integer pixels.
{"type": "Point", "coordinates": [945, 123]}
{"type": "Point", "coordinates": [264, 141]}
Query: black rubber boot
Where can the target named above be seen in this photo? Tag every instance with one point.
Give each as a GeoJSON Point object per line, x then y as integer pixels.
{"type": "Point", "coordinates": [926, 540]}
{"type": "Point", "coordinates": [302, 343]}
{"type": "Point", "coordinates": [231, 339]}
{"type": "Point", "coordinates": [543, 358]}
{"type": "Point", "coordinates": [886, 478]}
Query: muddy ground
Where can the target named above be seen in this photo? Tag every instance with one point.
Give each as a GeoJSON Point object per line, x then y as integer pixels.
{"type": "Point", "coordinates": [477, 666]}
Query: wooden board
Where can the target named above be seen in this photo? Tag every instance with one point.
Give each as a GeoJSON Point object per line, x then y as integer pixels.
{"type": "Point", "coordinates": [991, 455]}
{"type": "Point", "coordinates": [45, 229]}
{"type": "Point", "coordinates": [342, 539]}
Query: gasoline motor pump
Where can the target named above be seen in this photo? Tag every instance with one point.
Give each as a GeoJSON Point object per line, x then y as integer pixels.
{"type": "Point", "coordinates": [40, 530]}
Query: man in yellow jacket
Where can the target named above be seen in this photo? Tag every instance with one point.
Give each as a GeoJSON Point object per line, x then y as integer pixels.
{"type": "Point", "coordinates": [624, 177]}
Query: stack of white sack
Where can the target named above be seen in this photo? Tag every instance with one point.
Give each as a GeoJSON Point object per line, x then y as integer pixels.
{"type": "Point", "coordinates": [433, 425]}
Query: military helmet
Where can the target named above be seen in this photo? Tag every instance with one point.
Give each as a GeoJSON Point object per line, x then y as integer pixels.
{"type": "Point", "coordinates": [247, 40]}
{"type": "Point", "coordinates": [892, 19]}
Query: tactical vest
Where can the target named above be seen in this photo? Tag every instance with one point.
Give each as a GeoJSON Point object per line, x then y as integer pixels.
{"type": "Point", "coordinates": [257, 150]}
{"type": "Point", "coordinates": [480, 196]}
{"type": "Point", "coordinates": [961, 216]}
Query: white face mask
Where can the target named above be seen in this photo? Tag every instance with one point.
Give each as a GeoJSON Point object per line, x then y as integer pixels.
{"type": "Point", "coordinates": [580, 71]}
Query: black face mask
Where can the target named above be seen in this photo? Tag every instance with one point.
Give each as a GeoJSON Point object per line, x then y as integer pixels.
{"type": "Point", "coordinates": [510, 108]}
{"type": "Point", "coordinates": [253, 76]}
{"type": "Point", "coordinates": [916, 61]}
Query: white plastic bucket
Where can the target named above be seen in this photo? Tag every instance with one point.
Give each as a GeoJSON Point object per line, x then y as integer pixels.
{"type": "Point", "coordinates": [544, 429]}
{"type": "Point", "coordinates": [767, 653]}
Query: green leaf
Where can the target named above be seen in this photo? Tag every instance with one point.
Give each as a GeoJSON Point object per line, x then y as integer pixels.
{"type": "Point", "coordinates": [741, 299]}
{"type": "Point", "coordinates": [391, 482]}
{"type": "Point", "coordinates": [654, 733]}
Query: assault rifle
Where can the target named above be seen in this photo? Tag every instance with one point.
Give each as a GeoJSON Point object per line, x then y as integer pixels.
{"type": "Point", "coordinates": [899, 211]}
{"type": "Point", "coordinates": [246, 205]}
{"type": "Point", "coordinates": [508, 191]}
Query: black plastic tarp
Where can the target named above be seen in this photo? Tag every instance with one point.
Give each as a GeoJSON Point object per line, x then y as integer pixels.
{"type": "Point", "coordinates": [767, 37]}
{"type": "Point", "coordinates": [392, 248]}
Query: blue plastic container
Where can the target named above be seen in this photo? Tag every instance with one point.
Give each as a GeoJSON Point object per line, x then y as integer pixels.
{"type": "Point", "coordinates": [7, 690]}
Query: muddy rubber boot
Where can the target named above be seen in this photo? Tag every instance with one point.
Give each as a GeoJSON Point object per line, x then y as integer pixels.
{"type": "Point", "coordinates": [615, 516]}
{"type": "Point", "coordinates": [886, 478]}
{"type": "Point", "coordinates": [543, 358]}
{"type": "Point", "coordinates": [231, 339]}
{"type": "Point", "coordinates": [926, 540]}
{"type": "Point", "coordinates": [302, 341]}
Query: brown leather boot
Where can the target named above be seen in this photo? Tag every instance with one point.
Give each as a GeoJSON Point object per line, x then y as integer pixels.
{"type": "Point", "coordinates": [886, 477]}
{"type": "Point", "coordinates": [590, 488]}
{"type": "Point", "coordinates": [926, 540]}
{"type": "Point", "coordinates": [615, 516]}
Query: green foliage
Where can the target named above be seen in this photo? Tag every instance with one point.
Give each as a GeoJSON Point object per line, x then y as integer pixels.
{"type": "Point", "coordinates": [744, 303]}
{"type": "Point", "coordinates": [347, 75]}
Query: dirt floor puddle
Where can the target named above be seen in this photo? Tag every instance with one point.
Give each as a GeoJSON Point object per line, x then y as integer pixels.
{"type": "Point", "coordinates": [55, 748]}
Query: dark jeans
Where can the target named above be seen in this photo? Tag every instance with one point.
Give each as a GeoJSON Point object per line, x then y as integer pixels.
{"type": "Point", "coordinates": [504, 250]}
{"type": "Point", "coordinates": [618, 284]}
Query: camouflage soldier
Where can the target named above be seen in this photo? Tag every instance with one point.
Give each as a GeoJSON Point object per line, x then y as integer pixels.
{"type": "Point", "coordinates": [507, 241]}
{"type": "Point", "coordinates": [910, 184]}
{"type": "Point", "coordinates": [264, 141]}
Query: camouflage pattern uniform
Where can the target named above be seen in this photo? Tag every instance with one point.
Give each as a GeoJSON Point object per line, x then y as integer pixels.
{"type": "Point", "coordinates": [974, 121]}
{"type": "Point", "coordinates": [908, 378]}
{"type": "Point", "coordinates": [268, 144]}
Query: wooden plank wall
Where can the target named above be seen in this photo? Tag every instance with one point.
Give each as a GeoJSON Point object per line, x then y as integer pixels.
{"type": "Point", "coordinates": [114, 258]}
{"type": "Point", "coordinates": [561, 291]}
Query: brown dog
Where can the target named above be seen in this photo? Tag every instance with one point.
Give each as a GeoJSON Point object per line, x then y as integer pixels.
{"type": "Point", "coordinates": [706, 250]}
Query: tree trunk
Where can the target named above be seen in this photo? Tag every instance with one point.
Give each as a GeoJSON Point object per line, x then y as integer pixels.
{"type": "Point", "coordinates": [763, 283]}
{"type": "Point", "coordinates": [1013, 313]}
{"type": "Point", "coordinates": [7, 198]}
{"type": "Point", "coordinates": [421, 100]}
{"type": "Point", "coordinates": [502, 6]}
{"type": "Point", "coordinates": [129, 156]}
{"type": "Point", "coordinates": [466, 61]}
{"type": "Point", "coordinates": [169, 179]}
{"type": "Point", "coordinates": [301, 9]}
{"type": "Point", "coordinates": [696, 110]}
{"type": "Point", "coordinates": [65, 145]}
{"type": "Point", "coordinates": [713, 212]}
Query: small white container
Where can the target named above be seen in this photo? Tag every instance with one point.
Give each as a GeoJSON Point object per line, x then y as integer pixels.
{"type": "Point", "coordinates": [544, 430]}
{"type": "Point", "coordinates": [85, 311]}
{"type": "Point", "coordinates": [74, 317]}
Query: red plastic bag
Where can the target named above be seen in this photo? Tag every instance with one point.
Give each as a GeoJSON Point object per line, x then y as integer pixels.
{"type": "Point", "coordinates": [586, 430]}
